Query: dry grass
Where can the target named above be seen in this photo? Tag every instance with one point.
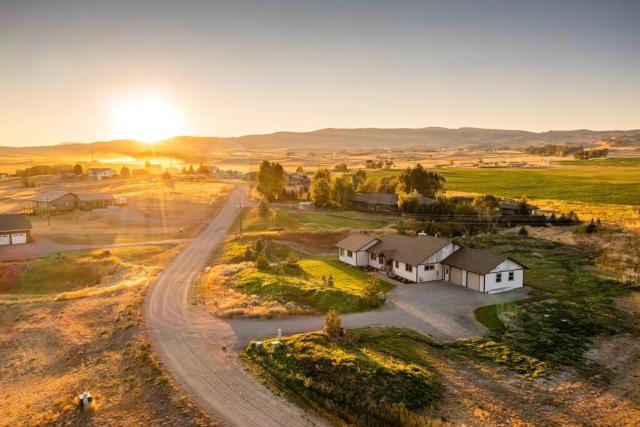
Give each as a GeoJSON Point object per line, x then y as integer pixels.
{"type": "Point", "coordinates": [54, 351]}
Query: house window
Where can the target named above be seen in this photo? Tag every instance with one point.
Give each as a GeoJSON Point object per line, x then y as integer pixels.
{"type": "Point", "coordinates": [341, 252]}
{"type": "Point", "coordinates": [408, 268]}
{"type": "Point", "coordinates": [498, 277]}
{"type": "Point", "coordinates": [429, 267]}
{"type": "Point", "coordinates": [397, 264]}
{"type": "Point", "coordinates": [349, 254]}
{"type": "Point", "coordinates": [511, 276]}
{"type": "Point", "coordinates": [373, 256]}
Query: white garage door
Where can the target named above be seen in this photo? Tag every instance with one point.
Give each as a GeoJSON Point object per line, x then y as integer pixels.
{"type": "Point", "coordinates": [4, 239]}
{"type": "Point", "coordinates": [19, 238]}
{"type": "Point", "coordinates": [456, 276]}
{"type": "Point", "coordinates": [473, 281]}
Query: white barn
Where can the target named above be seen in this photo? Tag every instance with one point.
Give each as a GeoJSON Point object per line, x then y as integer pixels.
{"type": "Point", "coordinates": [426, 258]}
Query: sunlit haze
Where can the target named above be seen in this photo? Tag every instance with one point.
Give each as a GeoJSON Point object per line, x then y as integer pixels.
{"type": "Point", "coordinates": [235, 68]}
{"type": "Point", "coordinates": [146, 118]}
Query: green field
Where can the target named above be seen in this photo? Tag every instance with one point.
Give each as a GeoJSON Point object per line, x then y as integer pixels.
{"type": "Point", "coordinates": [610, 181]}
{"type": "Point", "coordinates": [289, 217]}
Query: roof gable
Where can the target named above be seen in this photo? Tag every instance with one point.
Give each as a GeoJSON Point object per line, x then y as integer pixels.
{"type": "Point", "coordinates": [50, 196]}
{"type": "Point", "coordinates": [413, 250]}
{"type": "Point", "coordinates": [476, 260]}
{"type": "Point", "coordinates": [356, 241]}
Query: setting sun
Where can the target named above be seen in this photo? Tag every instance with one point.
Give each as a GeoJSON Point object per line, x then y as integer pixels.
{"type": "Point", "coordinates": [146, 119]}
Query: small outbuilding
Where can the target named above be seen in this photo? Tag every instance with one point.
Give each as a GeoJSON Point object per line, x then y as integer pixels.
{"type": "Point", "coordinates": [95, 201]}
{"type": "Point", "coordinates": [52, 202]}
{"type": "Point", "coordinates": [15, 229]}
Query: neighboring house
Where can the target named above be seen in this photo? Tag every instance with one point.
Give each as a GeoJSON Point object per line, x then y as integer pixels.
{"type": "Point", "coordinates": [426, 258]}
{"type": "Point", "coordinates": [52, 202]}
{"type": "Point", "coordinates": [515, 208]}
{"type": "Point", "coordinates": [15, 229]}
{"type": "Point", "coordinates": [296, 183]}
{"type": "Point", "coordinates": [382, 202]}
{"type": "Point", "coordinates": [100, 173]}
{"type": "Point", "coordinates": [95, 201]}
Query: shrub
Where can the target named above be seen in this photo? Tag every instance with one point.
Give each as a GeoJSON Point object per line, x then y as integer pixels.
{"type": "Point", "coordinates": [263, 208]}
{"type": "Point", "coordinates": [292, 260]}
{"type": "Point", "coordinates": [330, 282]}
{"type": "Point", "coordinates": [372, 288]}
{"type": "Point", "coordinates": [248, 254]}
{"type": "Point", "coordinates": [523, 231]}
{"type": "Point", "coordinates": [332, 324]}
{"type": "Point", "coordinates": [262, 263]}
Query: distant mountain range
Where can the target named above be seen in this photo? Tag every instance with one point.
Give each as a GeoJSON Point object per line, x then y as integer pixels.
{"type": "Point", "coordinates": [331, 140]}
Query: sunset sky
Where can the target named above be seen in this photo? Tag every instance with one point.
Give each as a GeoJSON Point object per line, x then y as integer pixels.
{"type": "Point", "coordinates": [70, 69]}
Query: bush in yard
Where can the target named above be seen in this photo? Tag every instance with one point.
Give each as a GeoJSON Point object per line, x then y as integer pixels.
{"type": "Point", "coordinates": [262, 263]}
{"type": "Point", "coordinates": [332, 324]}
{"type": "Point", "coordinates": [372, 288]}
{"type": "Point", "coordinates": [292, 260]}
{"type": "Point", "coordinates": [248, 254]}
{"type": "Point", "coordinates": [330, 282]}
{"type": "Point", "coordinates": [523, 231]}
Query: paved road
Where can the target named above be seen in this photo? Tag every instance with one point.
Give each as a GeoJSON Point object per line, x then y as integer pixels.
{"type": "Point", "coordinates": [438, 308]}
{"type": "Point", "coordinates": [189, 341]}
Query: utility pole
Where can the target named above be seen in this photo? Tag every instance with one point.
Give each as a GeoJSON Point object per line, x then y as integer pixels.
{"type": "Point", "coordinates": [48, 213]}
{"type": "Point", "coordinates": [240, 216]}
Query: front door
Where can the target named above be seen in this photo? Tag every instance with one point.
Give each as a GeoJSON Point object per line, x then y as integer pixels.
{"type": "Point", "coordinates": [446, 273]}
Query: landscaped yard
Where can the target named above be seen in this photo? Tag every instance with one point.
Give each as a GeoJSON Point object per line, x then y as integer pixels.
{"type": "Point", "coordinates": [259, 277]}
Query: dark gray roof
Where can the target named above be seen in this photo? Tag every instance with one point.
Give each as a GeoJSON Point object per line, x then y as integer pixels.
{"type": "Point", "coordinates": [49, 196]}
{"type": "Point", "coordinates": [377, 198]}
{"type": "Point", "coordinates": [475, 260]}
{"type": "Point", "coordinates": [14, 222]}
{"type": "Point", "coordinates": [409, 249]}
{"type": "Point", "coordinates": [355, 241]}
{"type": "Point", "coordinates": [95, 196]}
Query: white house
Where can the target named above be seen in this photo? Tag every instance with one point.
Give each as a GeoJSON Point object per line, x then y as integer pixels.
{"type": "Point", "coordinates": [427, 258]}
{"type": "Point", "coordinates": [99, 173]}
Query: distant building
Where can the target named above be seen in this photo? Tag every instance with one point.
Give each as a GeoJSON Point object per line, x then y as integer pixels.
{"type": "Point", "coordinates": [516, 208]}
{"type": "Point", "coordinates": [52, 203]}
{"type": "Point", "coordinates": [297, 183]}
{"type": "Point", "coordinates": [100, 173]}
{"type": "Point", "coordinates": [15, 229]}
{"type": "Point", "coordinates": [95, 201]}
{"type": "Point", "coordinates": [382, 202]}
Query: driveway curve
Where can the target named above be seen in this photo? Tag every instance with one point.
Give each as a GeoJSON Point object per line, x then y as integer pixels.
{"type": "Point", "coordinates": [195, 346]}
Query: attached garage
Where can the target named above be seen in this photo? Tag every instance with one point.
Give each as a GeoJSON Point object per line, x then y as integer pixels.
{"type": "Point", "coordinates": [473, 281]}
{"type": "Point", "coordinates": [15, 229]}
{"type": "Point", "coordinates": [456, 276]}
{"type": "Point", "coordinates": [484, 271]}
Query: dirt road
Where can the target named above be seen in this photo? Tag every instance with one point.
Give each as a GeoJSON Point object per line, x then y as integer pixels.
{"type": "Point", "coordinates": [192, 344]}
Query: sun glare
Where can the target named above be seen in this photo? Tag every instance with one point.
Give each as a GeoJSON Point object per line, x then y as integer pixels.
{"type": "Point", "coordinates": [147, 119]}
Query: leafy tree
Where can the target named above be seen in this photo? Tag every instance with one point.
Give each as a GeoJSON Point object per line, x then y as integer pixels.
{"type": "Point", "coordinates": [299, 169]}
{"type": "Point", "coordinates": [523, 231]}
{"type": "Point", "coordinates": [523, 206]}
{"type": "Point", "coordinates": [320, 191]}
{"type": "Point", "coordinates": [427, 183]}
{"type": "Point", "coordinates": [125, 172]}
{"type": "Point", "coordinates": [341, 167]}
{"type": "Point", "coordinates": [408, 202]}
{"type": "Point", "coordinates": [202, 169]}
{"type": "Point", "coordinates": [262, 262]}
{"type": "Point", "coordinates": [387, 184]}
{"type": "Point", "coordinates": [323, 173]}
{"type": "Point", "coordinates": [341, 192]}
{"type": "Point", "coordinates": [270, 179]}
{"type": "Point", "coordinates": [388, 164]}
{"type": "Point", "coordinates": [166, 175]}
{"type": "Point", "coordinates": [358, 178]}
{"type": "Point", "coordinates": [486, 205]}
{"type": "Point", "coordinates": [77, 169]}
{"type": "Point", "coordinates": [368, 186]}
{"type": "Point", "coordinates": [332, 324]}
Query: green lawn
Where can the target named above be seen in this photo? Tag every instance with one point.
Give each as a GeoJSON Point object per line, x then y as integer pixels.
{"type": "Point", "coordinates": [374, 378]}
{"type": "Point", "coordinates": [291, 218]}
{"type": "Point", "coordinates": [610, 181]}
{"type": "Point", "coordinates": [304, 284]}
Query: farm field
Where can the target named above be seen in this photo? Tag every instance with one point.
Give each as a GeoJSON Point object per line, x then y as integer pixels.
{"type": "Point", "coordinates": [286, 281]}
{"type": "Point", "coordinates": [157, 210]}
